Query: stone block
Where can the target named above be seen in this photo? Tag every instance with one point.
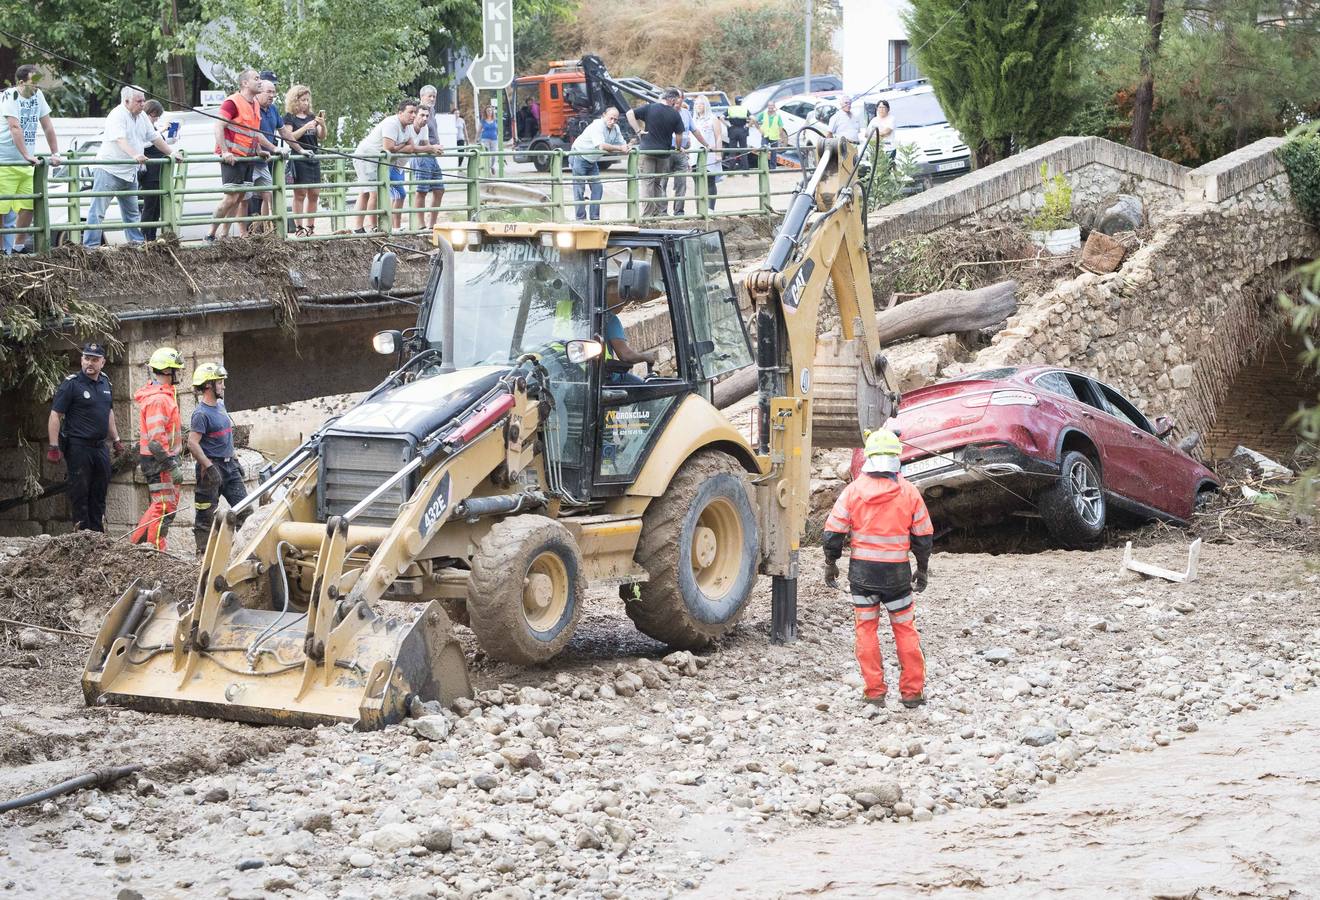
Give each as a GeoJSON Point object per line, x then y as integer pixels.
{"type": "Point", "coordinates": [24, 528]}
{"type": "Point", "coordinates": [1182, 376]}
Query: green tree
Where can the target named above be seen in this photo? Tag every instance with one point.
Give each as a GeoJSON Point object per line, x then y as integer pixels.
{"type": "Point", "coordinates": [356, 57]}
{"type": "Point", "coordinates": [1004, 70]}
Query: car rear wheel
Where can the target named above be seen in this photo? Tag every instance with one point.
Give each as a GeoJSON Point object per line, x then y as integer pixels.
{"type": "Point", "coordinates": [1074, 508]}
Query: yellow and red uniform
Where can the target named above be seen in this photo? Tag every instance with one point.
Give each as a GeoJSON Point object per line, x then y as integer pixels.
{"type": "Point", "coordinates": [159, 441]}
{"type": "Point", "coordinates": [888, 520]}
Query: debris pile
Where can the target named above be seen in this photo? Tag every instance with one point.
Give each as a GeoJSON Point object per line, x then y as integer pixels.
{"type": "Point", "coordinates": [68, 582]}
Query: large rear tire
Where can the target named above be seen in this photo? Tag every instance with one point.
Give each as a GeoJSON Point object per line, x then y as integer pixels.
{"type": "Point", "coordinates": [525, 591]}
{"type": "Point", "coordinates": [1074, 508]}
{"type": "Point", "coordinates": [699, 547]}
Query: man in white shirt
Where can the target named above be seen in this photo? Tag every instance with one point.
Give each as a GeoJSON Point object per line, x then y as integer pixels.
{"type": "Point", "coordinates": [843, 124]}
{"type": "Point", "coordinates": [127, 133]}
{"type": "Point", "coordinates": [601, 136]}
{"type": "Point", "coordinates": [22, 108]}
{"type": "Point", "coordinates": [393, 134]}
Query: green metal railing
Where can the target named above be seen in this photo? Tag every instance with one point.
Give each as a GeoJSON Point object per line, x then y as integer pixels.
{"type": "Point", "coordinates": [191, 190]}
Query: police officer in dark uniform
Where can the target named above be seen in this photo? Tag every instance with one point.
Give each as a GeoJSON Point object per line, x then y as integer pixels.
{"type": "Point", "coordinates": [737, 117]}
{"type": "Point", "coordinates": [81, 420]}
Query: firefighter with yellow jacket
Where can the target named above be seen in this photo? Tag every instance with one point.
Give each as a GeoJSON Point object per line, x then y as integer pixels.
{"type": "Point", "coordinates": [887, 520]}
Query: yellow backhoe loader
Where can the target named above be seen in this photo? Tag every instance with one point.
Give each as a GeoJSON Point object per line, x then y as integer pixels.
{"type": "Point", "coordinates": [511, 462]}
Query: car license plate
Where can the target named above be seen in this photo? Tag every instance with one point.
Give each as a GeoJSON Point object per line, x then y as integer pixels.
{"type": "Point", "coordinates": [925, 465]}
{"type": "Point", "coordinates": [949, 166]}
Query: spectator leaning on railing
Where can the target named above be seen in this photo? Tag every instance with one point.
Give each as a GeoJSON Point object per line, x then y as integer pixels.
{"type": "Point", "coordinates": [239, 144]}
{"type": "Point", "coordinates": [601, 136]}
{"type": "Point", "coordinates": [426, 170]}
{"type": "Point", "coordinates": [22, 108]}
{"type": "Point", "coordinates": [709, 131]}
{"type": "Point", "coordinates": [304, 132]}
{"type": "Point", "coordinates": [127, 132]}
{"type": "Point", "coordinates": [259, 202]}
{"type": "Point", "coordinates": [392, 134]}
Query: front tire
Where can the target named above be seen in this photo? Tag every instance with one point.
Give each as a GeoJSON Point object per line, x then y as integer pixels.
{"type": "Point", "coordinates": [699, 545]}
{"type": "Point", "coordinates": [525, 591]}
{"type": "Point", "coordinates": [1074, 508]}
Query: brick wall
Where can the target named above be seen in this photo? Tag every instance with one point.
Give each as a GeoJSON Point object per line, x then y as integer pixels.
{"type": "Point", "coordinates": [1258, 402]}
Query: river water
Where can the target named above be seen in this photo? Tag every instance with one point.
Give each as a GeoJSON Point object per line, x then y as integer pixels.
{"type": "Point", "coordinates": [1233, 811]}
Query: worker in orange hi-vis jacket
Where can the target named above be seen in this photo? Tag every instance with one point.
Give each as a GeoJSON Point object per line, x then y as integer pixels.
{"type": "Point", "coordinates": [887, 519]}
{"type": "Point", "coordinates": [159, 442]}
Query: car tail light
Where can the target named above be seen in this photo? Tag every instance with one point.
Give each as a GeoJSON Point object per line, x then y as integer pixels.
{"type": "Point", "coordinates": [1002, 398]}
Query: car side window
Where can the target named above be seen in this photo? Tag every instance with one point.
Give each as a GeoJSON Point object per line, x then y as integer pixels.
{"type": "Point", "coordinates": [1057, 383]}
{"type": "Point", "coordinates": [1118, 407]}
{"type": "Point", "coordinates": [1082, 390]}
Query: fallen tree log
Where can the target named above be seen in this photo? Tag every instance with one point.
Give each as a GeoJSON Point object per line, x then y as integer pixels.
{"type": "Point", "coordinates": [735, 387]}
{"type": "Point", "coordinates": [947, 312]}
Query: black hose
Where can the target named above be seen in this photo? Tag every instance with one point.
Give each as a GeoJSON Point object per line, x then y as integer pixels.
{"type": "Point", "coordinates": [98, 778]}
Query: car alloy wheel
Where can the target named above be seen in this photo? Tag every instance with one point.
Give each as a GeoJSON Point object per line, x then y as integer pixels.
{"type": "Point", "coordinates": [1087, 497]}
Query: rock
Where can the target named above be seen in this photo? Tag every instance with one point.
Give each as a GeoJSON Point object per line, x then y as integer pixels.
{"type": "Point", "coordinates": [247, 865]}
{"type": "Point", "coordinates": [485, 781]}
{"type": "Point", "coordinates": [865, 799]}
{"type": "Point", "coordinates": [682, 661]}
{"type": "Point", "coordinates": [317, 820]}
{"type": "Point", "coordinates": [521, 757]}
{"type": "Point", "coordinates": [123, 855]}
{"type": "Point", "coordinates": [1017, 685]}
{"type": "Point", "coordinates": [902, 808]}
{"type": "Point", "coordinates": [999, 655]}
{"type": "Point", "coordinates": [418, 708]}
{"type": "Point", "coordinates": [392, 837]}
{"type": "Point", "coordinates": [1039, 736]}
{"type": "Point", "coordinates": [1186, 607]}
{"type": "Point", "coordinates": [35, 639]}
{"type": "Point", "coordinates": [567, 803]}
{"type": "Point", "coordinates": [440, 839]}
{"type": "Point", "coordinates": [922, 815]}
{"type": "Point", "coordinates": [361, 860]}
{"type": "Point", "coordinates": [1125, 213]}
{"type": "Point", "coordinates": [432, 728]}
{"type": "Point", "coordinates": [215, 795]}
{"type": "Point", "coordinates": [129, 894]}
{"type": "Point", "coordinates": [887, 793]}
{"type": "Point", "coordinates": [280, 878]}
{"type": "Point", "coordinates": [463, 705]}
{"type": "Point", "coordinates": [96, 813]}
{"type": "Point", "coordinates": [588, 839]}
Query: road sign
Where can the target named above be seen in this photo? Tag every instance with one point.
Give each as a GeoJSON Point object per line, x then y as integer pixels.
{"type": "Point", "coordinates": [493, 69]}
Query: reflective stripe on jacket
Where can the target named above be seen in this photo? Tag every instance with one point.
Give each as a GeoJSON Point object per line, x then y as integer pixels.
{"type": "Point", "coordinates": [887, 520]}
{"type": "Point", "coordinates": [158, 417]}
{"type": "Point", "coordinates": [241, 139]}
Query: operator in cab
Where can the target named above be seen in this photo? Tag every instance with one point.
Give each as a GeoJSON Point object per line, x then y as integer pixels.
{"type": "Point", "coordinates": [617, 348]}
{"type": "Point", "coordinates": [887, 519]}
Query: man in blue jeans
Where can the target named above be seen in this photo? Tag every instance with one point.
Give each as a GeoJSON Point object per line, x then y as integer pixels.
{"type": "Point", "coordinates": [128, 132]}
{"type": "Point", "coordinates": [601, 136]}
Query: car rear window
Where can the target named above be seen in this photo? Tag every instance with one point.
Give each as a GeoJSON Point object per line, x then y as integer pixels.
{"type": "Point", "coordinates": [988, 375]}
{"type": "Point", "coordinates": [1057, 383]}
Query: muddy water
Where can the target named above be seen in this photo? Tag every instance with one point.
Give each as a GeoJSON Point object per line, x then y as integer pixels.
{"type": "Point", "coordinates": [1233, 811]}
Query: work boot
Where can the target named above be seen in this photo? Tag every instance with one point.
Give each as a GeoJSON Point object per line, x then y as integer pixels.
{"type": "Point", "coordinates": [915, 700]}
{"type": "Point", "coordinates": [874, 701]}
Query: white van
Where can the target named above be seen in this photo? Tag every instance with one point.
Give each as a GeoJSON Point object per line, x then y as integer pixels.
{"type": "Point", "coordinates": [920, 122]}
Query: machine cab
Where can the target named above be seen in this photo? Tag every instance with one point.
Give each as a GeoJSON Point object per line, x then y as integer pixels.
{"type": "Point", "coordinates": [568, 294]}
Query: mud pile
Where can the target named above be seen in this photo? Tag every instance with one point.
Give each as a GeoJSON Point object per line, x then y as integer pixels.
{"type": "Point", "coordinates": [68, 582]}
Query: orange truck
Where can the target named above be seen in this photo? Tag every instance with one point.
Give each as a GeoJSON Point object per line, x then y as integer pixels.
{"type": "Point", "coordinates": [548, 112]}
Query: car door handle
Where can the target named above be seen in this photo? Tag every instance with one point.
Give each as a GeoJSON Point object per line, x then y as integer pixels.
{"type": "Point", "coordinates": [1136, 434]}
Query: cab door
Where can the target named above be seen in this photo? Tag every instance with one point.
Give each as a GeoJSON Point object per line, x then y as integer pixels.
{"type": "Point", "coordinates": [718, 339]}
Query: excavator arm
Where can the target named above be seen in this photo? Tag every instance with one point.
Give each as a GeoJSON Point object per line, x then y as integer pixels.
{"type": "Point", "coordinates": [813, 390]}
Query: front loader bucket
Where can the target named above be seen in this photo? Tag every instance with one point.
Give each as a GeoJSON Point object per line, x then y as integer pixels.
{"type": "Point", "coordinates": [251, 665]}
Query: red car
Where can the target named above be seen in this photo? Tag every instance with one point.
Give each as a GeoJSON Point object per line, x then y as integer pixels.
{"type": "Point", "coordinates": [1042, 440]}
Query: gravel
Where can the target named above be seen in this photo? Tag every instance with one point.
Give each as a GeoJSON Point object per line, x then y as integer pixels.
{"type": "Point", "coordinates": [631, 772]}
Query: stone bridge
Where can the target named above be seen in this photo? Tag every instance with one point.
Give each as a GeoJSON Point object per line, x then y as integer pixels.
{"type": "Point", "coordinates": [1189, 324]}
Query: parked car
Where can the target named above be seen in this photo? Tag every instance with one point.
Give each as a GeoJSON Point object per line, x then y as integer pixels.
{"type": "Point", "coordinates": [1047, 441]}
{"type": "Point", "coordinates": [718, 100]}
{"type": "Point", "coordinates": [757, 99]}
{"type": "Point", "coordinates": [800, 110]}
{"type": "Point", "coordinates": [920, 122]}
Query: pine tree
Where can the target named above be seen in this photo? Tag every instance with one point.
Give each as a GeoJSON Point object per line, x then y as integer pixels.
{"type": "Point", "coordinates": [1002, 69]}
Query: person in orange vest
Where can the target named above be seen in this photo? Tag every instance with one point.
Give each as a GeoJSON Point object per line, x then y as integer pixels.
{"type": "Point", "coordinates": [887, 519]}
{"type": "Point", "coordinates": [159, 443]}
{"type": "Point", "coordinates": [240, 144]}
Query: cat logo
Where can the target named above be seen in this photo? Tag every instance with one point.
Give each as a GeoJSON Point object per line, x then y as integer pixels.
{"type": "Point", "coordinates": [793, 295]}
{"type": "Point", "coordinates": [435, 509]}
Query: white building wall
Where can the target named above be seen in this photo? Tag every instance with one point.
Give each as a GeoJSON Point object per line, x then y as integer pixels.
{"type": "Point", "coordinates": [868, 27]}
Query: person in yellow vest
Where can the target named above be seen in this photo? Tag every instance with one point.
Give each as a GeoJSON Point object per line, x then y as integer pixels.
{"type": "Point", "coordinates": [159, 442]}
{"type": "Point", "coordinates": [738, 119]}
{"type": "Point", "coordinates": [771, 126]}
{"type": "Point", "coordinates": [239, 143]}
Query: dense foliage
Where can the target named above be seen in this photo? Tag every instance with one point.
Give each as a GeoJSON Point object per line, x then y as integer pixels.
{"type": "Point", "coordinates": [1004, 70]}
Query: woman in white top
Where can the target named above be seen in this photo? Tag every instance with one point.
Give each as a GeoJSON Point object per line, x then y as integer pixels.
{"type": "Point", "coordinates": [882, 125]}
{"type": "Point", "coordinates": [710, 132]}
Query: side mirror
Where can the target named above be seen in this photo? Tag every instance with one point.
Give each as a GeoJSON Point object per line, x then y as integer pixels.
{"type": "Point", "coordinates": [1164, 426]}
{"type": "Point", "coordinates": [387, 343]}
{"type": "Point", "coordinates": [634, 280]}
{"type": "Point", "coordinates": [383, 266]}
{"type": "Point", "coordinates": [580, 352]}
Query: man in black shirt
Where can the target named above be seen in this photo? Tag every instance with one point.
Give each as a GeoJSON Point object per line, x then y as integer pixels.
{"type": "Point", "coordinates": [81, 419]}
{"type": "Point", "coordinates": [664, 131]}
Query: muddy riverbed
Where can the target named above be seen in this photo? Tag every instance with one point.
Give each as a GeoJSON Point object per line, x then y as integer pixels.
{"type": "Point", "coordinates": [624, 771]}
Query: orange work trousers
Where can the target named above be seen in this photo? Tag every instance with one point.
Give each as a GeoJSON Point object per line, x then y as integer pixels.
{"type": "Point", "coordinates": [912, 664]}
{"type": "Point", "coordinates": [155, 522]}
